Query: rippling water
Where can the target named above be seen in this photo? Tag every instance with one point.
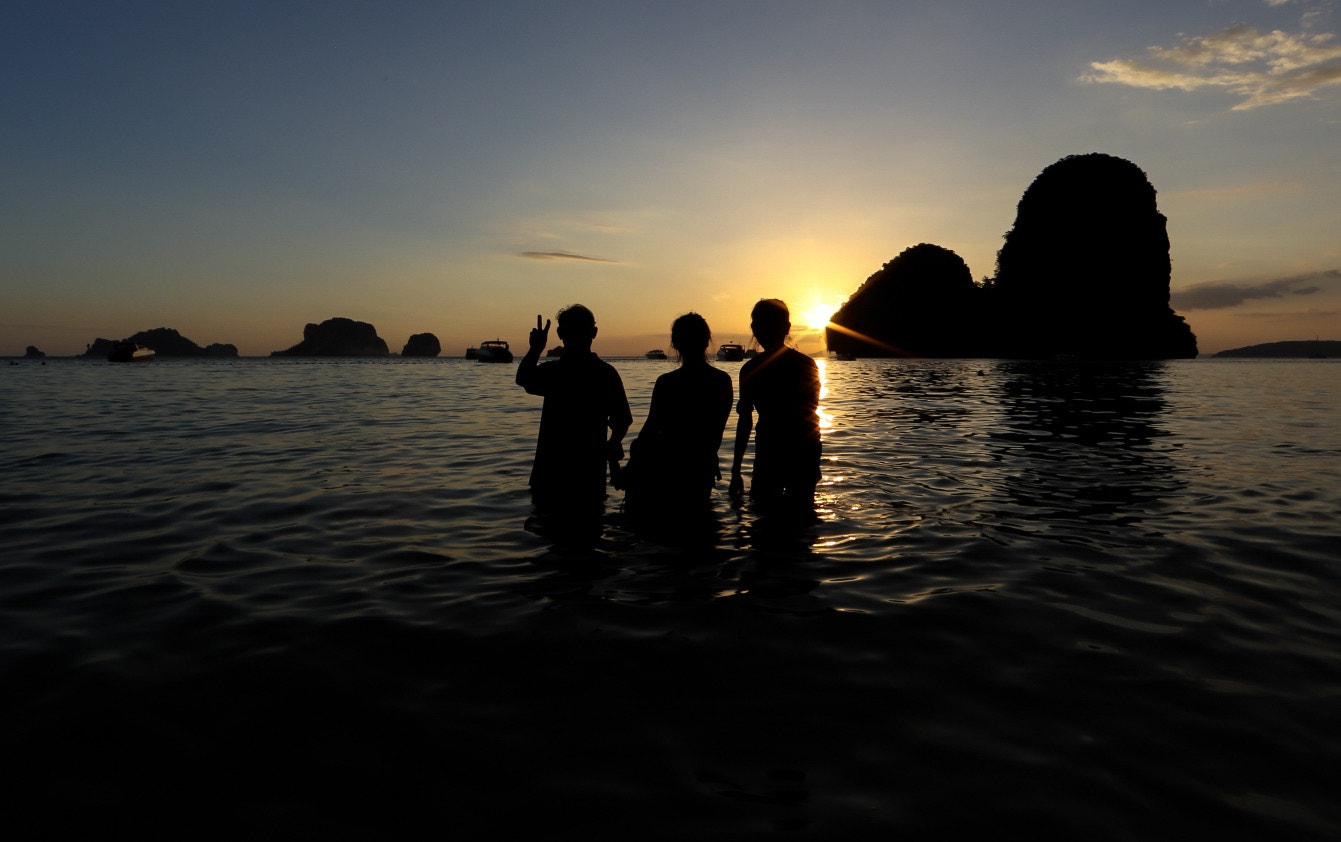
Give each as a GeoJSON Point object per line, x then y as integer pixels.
{"type": "Point", "coordinates": [300, 598]}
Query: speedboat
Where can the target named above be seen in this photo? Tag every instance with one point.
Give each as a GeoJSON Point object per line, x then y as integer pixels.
{"type": "Point", "coordinates": [730, 352]}
{"type": "Point", "coordinates": [656, 354]}
{"type": "Point", "coordinates": [493, 351]}
{"type": "Point", "coordinates": [130, 352]}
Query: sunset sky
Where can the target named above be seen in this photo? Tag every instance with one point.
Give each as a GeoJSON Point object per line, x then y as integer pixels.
{"type": "Point", "coordinates": [236, 169]}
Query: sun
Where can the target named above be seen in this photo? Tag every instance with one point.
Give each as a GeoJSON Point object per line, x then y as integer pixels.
{"type": "Point", "coordinates": [816, 315]}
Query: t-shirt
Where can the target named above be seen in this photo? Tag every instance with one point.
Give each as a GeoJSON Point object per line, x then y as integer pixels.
{"type": "Point", "coordinates": [783, 387]}
{"type": "Point", "coordinates": [583, 397]}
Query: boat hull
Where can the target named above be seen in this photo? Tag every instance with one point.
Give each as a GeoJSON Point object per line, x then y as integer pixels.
{"type": "Point", "coordinates": [493, 351]}
{"type": "Point", "coordinates": [125, 353]}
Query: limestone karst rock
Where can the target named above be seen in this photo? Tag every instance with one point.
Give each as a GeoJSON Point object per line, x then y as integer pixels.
{"type": "Point", "coordinates": [165, 341]}
{"type": "Point", "coordinates": [422, 345]}
{"type": "Point", "coordinates": [922, 303]}
{"type": "Point", "coordinates": [338, 337]}
{"type": "Point", "coordinates": [1085, 269]}
{"type": "Point", "coordinates": [1084, 272]}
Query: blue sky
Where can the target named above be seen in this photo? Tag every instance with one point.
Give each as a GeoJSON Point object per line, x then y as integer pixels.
{"type": "Point", "coordinates": [236, 170]}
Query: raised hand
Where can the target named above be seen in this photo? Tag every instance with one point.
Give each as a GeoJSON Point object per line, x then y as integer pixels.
{"type": "Point", "coordinates": [539, 335]}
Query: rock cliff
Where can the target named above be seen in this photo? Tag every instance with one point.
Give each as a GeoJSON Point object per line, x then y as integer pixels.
{"type": "Point", "coordinates": [922, 303]}
{"type": "Point", "coordinates": [1084, 272]}
{"type": "Point", "coordinates": [338, 337]}
{"type": "Point", "coordinates": [165, 341]}
{"type": "Point", "coordinates": [422, 345]}
{"type": "Point", "coordinates": [1085, 269]}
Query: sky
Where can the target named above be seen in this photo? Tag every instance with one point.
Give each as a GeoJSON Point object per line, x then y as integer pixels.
{"type": "Point", "coordinates": [236, 170]}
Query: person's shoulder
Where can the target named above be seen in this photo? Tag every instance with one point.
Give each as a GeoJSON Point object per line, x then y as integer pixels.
{"type": "Point", "coordinates": [606, 369]}
{"type": "Point", "coordinates": [801, 359]}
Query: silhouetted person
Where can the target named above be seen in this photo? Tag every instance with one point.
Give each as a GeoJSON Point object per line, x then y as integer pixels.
{"type": "Point", "coordinates": [584, 419]}
{"type": "Point", "coordinates": [673, 462]}
{"type": "Point", "coordinates": [782, 385]}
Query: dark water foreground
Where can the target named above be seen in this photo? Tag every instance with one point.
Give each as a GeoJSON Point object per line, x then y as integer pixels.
{"type": "Point", "coordinates": [297, 600]}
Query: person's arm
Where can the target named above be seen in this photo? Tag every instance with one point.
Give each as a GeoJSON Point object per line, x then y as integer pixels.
{"type": "Point", "coordinates": [723, 414]}
{"type": "Point", "coordinates": [526, 369]}
{"type": "Point", "coordinates": [620, 419]}
{"type": "Point", "coordinates": [652, 423]}
{"type": "Point", "coordinates": [736, 490]}
{"type": "Point", "coordinates": [812, 395]}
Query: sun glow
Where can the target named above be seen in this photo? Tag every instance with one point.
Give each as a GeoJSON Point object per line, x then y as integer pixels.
{"type": "Point", "coordinates": [816, 315]}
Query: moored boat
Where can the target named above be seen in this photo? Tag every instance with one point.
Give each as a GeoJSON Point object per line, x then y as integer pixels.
{"type": "Point", "coordinates": [130, 352]}
{"type": "Point", "coordinates": [494, 351]}
{"type": "Point", "coordinates": [730, 352]}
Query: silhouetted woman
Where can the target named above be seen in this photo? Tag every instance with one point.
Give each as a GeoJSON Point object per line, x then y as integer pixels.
{"type": "Point", "coordinates": [673, 462]}
{"type": "Point", "coordinates": [782, 385]}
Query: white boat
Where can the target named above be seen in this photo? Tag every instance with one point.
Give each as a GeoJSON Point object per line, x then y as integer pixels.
{"type": "Point", "coordinates": [730, 352]}
{"type": "Point", "coordinates": [493, 351]}
{"type": "Point", "coordinates": [130, 352]}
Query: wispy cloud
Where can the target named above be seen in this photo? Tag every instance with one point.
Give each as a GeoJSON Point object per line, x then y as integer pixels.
{"type": "Point", "coordinates": [1218, 295]}
{"type": "Point", "coordinates": [1263, 68]}
{"type": "Point", "coordinates": [1291, 315]}
{"type": "Point", "coordinates": [562, 255]}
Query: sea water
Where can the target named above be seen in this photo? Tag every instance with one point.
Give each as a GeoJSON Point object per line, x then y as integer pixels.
{"type": "Point", "coordinates": [305, 598]}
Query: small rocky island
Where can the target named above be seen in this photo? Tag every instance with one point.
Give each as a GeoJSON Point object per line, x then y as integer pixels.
{"type": "Point", "coordinates": [32, 353]}
{"type": "Point", "coordinates": [1084, 273]}
{"type": "Point", "coordinates": [338, 337]}
{"type": "Point", "coordinates": [422, 345]}
{"type": "Point", "coordinates": [1305, 348]}
{"type": "Point", "coordinates": [165, 342]}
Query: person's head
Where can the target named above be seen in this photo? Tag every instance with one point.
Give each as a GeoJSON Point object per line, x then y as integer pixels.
{"type": "Point", "coordinates": [690, 336]}
{"type": "Point", "coordinates": [770, 322]}
{"type": "Point", "coordinates": [577, 327]}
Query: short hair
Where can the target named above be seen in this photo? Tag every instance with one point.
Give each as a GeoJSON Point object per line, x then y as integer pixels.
{"type": "Point", "coordinates": [690, 335]}
{"type": "Point", "coordinates": [770, 320]}
{"type": "Point", "coordinates": [576, 320]}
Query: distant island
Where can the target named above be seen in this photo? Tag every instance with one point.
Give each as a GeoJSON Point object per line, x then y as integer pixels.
{"type": "Point", "coordinates": [1084, 273]}
{"type": "Point", "coordinates": [338, 337]}
{"type": "Point", "coordinates": [165, 341]}
{"type": "Point", "coordinates": [422, 345]}
{"type": "Point", "coordinates": [335, 337]}
{"type": "Point", "coordinates": [1314, 348]}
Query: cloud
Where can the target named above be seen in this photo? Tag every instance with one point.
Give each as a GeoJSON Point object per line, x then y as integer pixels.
{"type": "Point", "coordinates": [1218, 295]}
{"type": "Point", "coordinates": [562, 255]}
{"type": "Point", "coordinates": [1292, 315]}
{"type": "Point", "coordinates": [1264, 68]}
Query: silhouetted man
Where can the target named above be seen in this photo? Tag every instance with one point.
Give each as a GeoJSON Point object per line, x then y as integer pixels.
{"type": "Point", "coordinates": [783, 386]}
{"type": "Point", "coordinates": [584, 400]}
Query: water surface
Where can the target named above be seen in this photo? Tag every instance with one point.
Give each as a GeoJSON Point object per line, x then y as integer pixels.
{"type": "Point", "coordinates": [301, 597]}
